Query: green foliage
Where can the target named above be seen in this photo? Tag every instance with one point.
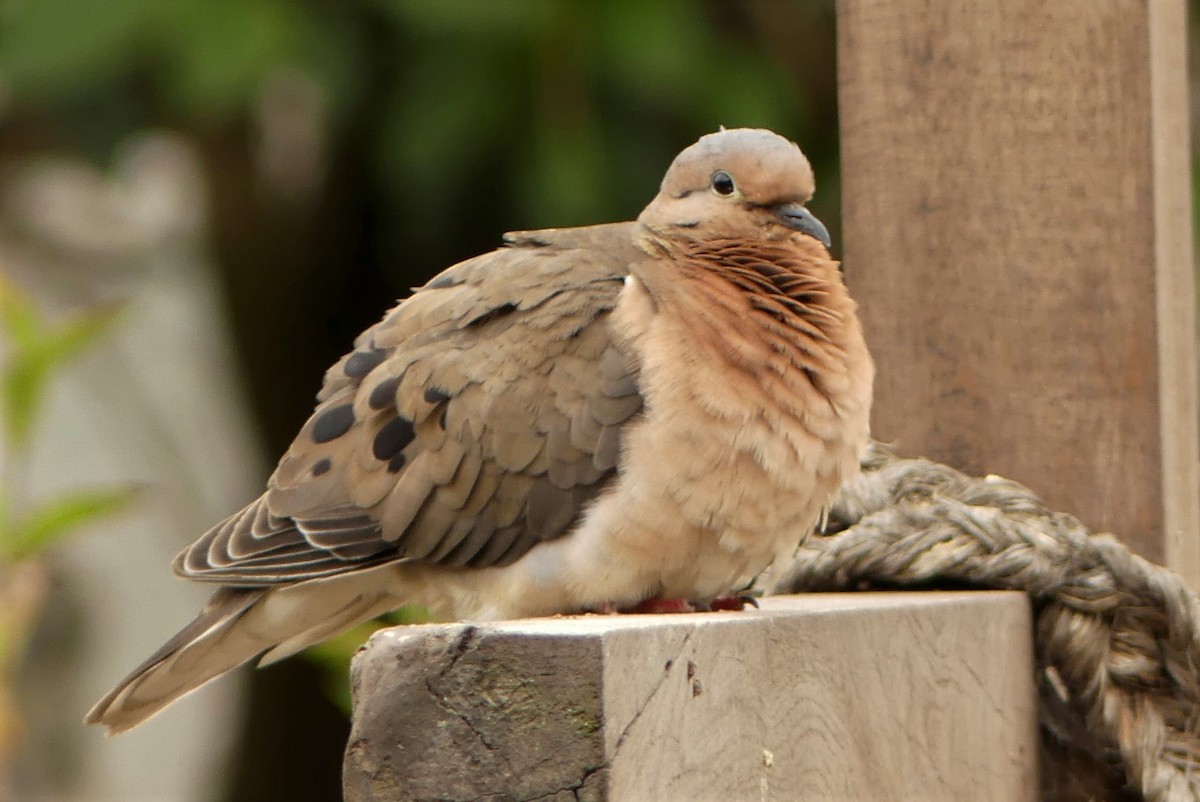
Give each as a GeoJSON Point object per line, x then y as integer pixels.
{"type": "Point", "coordinates": [50, 520]}
{"type": "Point", "coordinates": [555, 83]}
{"type": "Point", "coordinates": [555, 103]}
{"type": "Point", "coordinates": [34, 350]}
{"type": "Point", "coordinates": [215, 51]}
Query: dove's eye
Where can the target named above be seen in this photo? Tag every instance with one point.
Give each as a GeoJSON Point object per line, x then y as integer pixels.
{"type": "Point", "coordinates": [722, 183]}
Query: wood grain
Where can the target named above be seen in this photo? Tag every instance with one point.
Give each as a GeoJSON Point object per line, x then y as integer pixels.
{"type": "Point", "coordinates": [1017, 231]}
{"type": "Point", "coordinates": [880, 696]}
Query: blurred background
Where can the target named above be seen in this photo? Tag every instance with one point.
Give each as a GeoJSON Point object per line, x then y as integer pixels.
{"type": "Point", "coordinates": [201, 203]}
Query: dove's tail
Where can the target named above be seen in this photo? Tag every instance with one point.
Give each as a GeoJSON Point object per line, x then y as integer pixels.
{"type": "Point", "coordinates": [236, 626]}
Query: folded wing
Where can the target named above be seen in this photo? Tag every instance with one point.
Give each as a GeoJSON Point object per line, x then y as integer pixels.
{"type": "Point", "coordinates": [474, 421]}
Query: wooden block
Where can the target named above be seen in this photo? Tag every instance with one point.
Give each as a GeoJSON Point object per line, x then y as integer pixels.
{"type": "Point", "coordinates": [872, 696]}
{"type": "Point", "coordinates": [1017, 224]}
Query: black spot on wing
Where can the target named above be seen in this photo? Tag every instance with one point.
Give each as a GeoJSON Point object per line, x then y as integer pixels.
{"type": "Point", "coordinates": [392, 438]}
{"type": "Point", "coordinates": [384, 393]}
{"type": "Point", "coordinates": [396, 463]}
{"type": "Point", "coordinates": [361, 363]}
{"type": "Point", "coordinates": [322, 466]}
{"type": "Point", "coordinates": [436, 395]}
{"type": "Point", "coordinates": [333, 423]}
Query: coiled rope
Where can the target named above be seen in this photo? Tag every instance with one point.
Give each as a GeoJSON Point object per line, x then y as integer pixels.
{"type": "Point", "coordinates": [1117, 645]}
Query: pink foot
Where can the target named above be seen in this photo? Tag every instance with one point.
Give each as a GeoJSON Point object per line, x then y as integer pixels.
{"type": "Point", "coordinates": [737, 603]}
{"type": "Point", "coordinates": [652, 606]}
{"type": "Point", "coordinates": [657, 606]}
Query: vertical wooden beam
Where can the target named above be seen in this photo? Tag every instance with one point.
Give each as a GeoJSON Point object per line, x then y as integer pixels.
{"type": "Point", "coordinates": [1018, 232]}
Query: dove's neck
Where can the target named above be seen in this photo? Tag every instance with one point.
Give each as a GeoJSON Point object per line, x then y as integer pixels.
{"type": "Point", "coordinates": [765, 332]}
{"type": "Point", "coordinates": [789, 280]}
{"type": "Point", "coordinates": [785, 297]}
{"type": "Point", "coordinates": [770, 318]}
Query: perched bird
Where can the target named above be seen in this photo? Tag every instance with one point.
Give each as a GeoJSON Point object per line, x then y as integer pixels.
{"type": "Point", "coordinates": [582, 419]}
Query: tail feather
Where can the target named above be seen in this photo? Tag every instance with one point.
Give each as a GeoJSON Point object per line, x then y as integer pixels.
{"type": "Point", "coordinates": [236, 626]}
{"type": "Point", "coordinates": [199, 652]}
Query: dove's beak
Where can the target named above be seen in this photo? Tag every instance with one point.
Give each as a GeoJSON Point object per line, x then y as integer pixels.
{"type": "Point", "coordinates": [794, 215]}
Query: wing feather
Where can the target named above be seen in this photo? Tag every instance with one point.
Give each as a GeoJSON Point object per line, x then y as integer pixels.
{"type": "Point", "coordinates": [475, 420]}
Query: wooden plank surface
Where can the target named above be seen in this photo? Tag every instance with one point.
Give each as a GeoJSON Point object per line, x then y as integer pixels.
{"type": "Point", "coordinates": [1017, 230]}
{"type": "Point", "coordinates": [879, 696]}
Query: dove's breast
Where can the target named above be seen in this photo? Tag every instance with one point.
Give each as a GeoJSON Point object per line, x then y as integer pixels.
{"type": "Point", "coordinates": [749, 429]}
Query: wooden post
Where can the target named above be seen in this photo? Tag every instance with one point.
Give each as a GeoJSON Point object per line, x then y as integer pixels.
{"type": "Point", "coordinates": [1018, 232]}
{"type": "Point", "coordinates": [881, 696]}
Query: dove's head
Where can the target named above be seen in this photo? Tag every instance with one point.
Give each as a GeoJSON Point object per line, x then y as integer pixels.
{"type": "Point", "coordinates": [740, 183]}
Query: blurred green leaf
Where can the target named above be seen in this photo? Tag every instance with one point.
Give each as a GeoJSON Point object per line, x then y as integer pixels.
{"type": "Point", "coordinates": [37, 354]}
{"type": "Point", "coordinates": [21, 385]}
{"type": "Point", "coordinates": [475, 18]}
{"type": "Point", "coordinates": [743, 92]}
{"type": "Point", "coordinates": [212, 55]}
{"type": "Point", "coordinates": [409, 614]}
{"type": "Point", "coordinates": [51, 520]}
{"type": "Point", "coordinates": [660, 50]}
{"type": "Point", "coordinates": [565, 183]}
{"type": "Point", "coordinates": [222, 50]}
{"type": "Point", "coordinates": [427, 147]}
{"type": "Point", "coordinates": [330, 52]}
{"type": "Point", "coordinates": [6, 528]}
{"type": "Point", "coordinates": [18, 317]}
{"type": "Point", "coordinates": [52, 46]}
{"type": "Point", "coordinates": [78, 333]}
